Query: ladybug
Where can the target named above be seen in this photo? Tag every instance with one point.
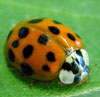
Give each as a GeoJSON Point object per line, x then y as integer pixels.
{"type": "Point", "coordinates": [43, 49]}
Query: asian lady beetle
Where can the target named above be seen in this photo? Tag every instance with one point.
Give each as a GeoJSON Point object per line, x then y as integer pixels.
{"type": "Point", "coordinates": [43, 48]}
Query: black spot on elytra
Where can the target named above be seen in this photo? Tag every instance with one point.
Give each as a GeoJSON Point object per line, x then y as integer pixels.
{"type": "Point", "coordinates": [56, 22]}
{"type": "Point", "coordinates": [35, 21]}
{"type": "Point", "coordinates": [54, 30]}
{"type": "Point", "coordinates": [50, 56]}
{"type": "Point", "coordinates": [15, 43]}
{"type": "Point", "coordinates": [79, 52]}
{"type": "Point", "coordinates": [46, 68]}
{"type": "Point", "coordinates": [43, 39]}
{"type": "Point", "coordinates": [23, 32]}
{"type": "Point", "coordinates": [27, 51]}
{"type": "Point", "coordinates": [11, 55]}
{"type": "Point", "coordinates": [70, 36]}
{"type": "Point", "coordinates": [26, 69]}
{"type": "Point", "coordinates": [66, 66]}
{"type": "Point", "coordinates": [9, 34]}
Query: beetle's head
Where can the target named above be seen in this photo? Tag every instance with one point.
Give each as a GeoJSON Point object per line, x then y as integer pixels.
{"type": "Point", "coordinates": [75, 67]}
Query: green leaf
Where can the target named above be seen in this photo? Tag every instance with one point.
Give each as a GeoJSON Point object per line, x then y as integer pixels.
{"type": "Point", "coordinates": [83, 16]}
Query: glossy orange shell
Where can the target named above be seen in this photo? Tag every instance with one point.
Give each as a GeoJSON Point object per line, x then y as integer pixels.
{"type": "Point", "coordinates": [62, 36]}
{"type": "Point", "coordinates": [58, 44]}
